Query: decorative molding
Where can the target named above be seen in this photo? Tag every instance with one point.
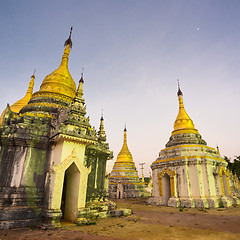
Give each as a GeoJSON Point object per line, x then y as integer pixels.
{"type": "Point", "coordinates": [171, 174]}
{"type": "Point", "coordinates": [189, 157]}
{"type": "Point", "coordinates": [63, 166]}
{"type": "Point", "coordinates": [187, 146]}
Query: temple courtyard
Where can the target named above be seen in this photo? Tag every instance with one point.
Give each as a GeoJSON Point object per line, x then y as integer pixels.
{"type": "Point", "coordinates": [146, 222]}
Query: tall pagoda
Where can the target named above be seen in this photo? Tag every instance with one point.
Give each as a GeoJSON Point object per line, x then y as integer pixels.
{"type": "Point", "coordinates": [123, 180]}
{"type": "Point", "coordinates": [44, 164]}
{"type": "Point", "coordinates": [187, 172]}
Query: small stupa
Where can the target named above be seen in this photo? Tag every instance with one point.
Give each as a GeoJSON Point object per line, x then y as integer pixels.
{"type": "Point", "coordinates": [187, 172]}
{"type": "Point", "coordinates": [17, 106]}
{"type": "Point", "coordinates": [123, 180]}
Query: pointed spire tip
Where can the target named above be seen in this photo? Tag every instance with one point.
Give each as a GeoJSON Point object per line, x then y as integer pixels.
{"type": "Point", "coordinates": [81, 79]}
{"type": "Point", "coordinates": [179, 90]}
{"type": "Point", "coordinates": [102, 115]}
{"type": "Point", "coordinates": [69, 40]}
{"type": "Point", "coordinates": [33, 75]}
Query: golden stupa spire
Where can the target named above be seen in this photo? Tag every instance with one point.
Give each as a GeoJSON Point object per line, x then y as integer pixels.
{"type": "Point", "coordinates": [183, 123]}
{"type": "Point", "coordinates": [101, 133]}
{"type": "Point", "coordinates": [80, 86]}
{"type": "Point", "coordinates": [17, 106]}
{"type": "Point", "coordinates": [124, 155]}
{"type": "Point", "coordinates": [59, 84]}
{"type": "Point", "coordinates": [68, 46]}
{"type": "Point", "coordinates": [101, 127]}
{"type": "Point", "coordinates": [218, 151]}
{"type": "Point", "coordinates": [69, 40]}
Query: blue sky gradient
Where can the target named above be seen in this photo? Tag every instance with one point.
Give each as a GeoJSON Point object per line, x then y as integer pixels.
{"type": "Point", "coordinates": [133, 52]}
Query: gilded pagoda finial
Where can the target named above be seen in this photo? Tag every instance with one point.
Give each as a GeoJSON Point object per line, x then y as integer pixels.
{"type": "Point", "coordinates": [101, 128]}
{"type": "Point", "coordinates": [218, 151]}
{"type": "Point", "coordinates": [69, 40]}
{"type": "Point", "coordinates": [34, 72]}
{"type": "Point", "coordinates": [80, 86]}
{"type": "Point", "coordinates": [183, 123]}
{"type": "Point", "coordinates": [59, 83]}
{"type": "Point", "coordinates": [101, 133]}
{"type": "Point", "coordinates": [81, 79]}
{"type": "Point", "coordinates": [179, 90]}
{"type": "Point", "coordinates": [17, 106]}
{"type": "Point", "coordinates": [125, 155]}
{"type": "Point", "coordinates": [31, 84]}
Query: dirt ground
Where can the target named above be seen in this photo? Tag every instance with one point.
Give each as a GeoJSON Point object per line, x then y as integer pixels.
{"type": "Point", "coordinates": [146, 222]}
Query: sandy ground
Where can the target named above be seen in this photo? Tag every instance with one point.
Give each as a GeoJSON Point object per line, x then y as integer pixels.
{"type": "Point", "coordinates": [147, 222]}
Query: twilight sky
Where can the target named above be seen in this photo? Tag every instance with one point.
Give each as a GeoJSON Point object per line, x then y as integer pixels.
{"type": "Point", "coordinates": [133, 52]}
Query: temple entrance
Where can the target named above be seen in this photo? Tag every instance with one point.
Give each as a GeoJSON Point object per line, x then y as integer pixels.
{"type": "Point", "coordinates": [166, 189]}
{"type": "Point", "coordinates": [69, 204]}
{"type": "Point", "coordinates": [119, 190]}
{"type": "Point", "coordinates": [63, 195]}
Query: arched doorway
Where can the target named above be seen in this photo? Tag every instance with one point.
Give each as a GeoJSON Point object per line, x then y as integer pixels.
{"type": "Point", "coordinates": [166, 188]}
{"type": "Point", "coordinates": [70, 193]}
{"type": "Point", "coordinates": [119, 190]}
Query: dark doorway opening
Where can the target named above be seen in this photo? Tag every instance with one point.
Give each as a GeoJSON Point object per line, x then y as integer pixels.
{"type": "Point", "coordinates": [70, 192]}
{"type": "Point", "coordinates": [166, 188]}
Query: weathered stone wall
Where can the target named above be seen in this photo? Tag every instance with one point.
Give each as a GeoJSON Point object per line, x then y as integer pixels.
{"type": "Point", "coordinates": [23, 158]}
{"type": "Point", "coordinates": [22, 180]}
{"type": "Point", "coordinates": [97, 157]}
{"type": "Point", "coordinates": [197, 182]}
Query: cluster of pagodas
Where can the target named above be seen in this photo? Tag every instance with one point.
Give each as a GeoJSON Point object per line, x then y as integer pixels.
{"type": "Point", "coordinates": [53, 162]}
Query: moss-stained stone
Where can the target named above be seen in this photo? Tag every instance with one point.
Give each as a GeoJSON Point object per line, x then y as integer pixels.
{"type": "Point", "coordinates": [44, 168]}
{"type": "Point", "coordinates": [99, 209]}
{"type": "Point", "coordinates": [6, 170]}
{"type": "Point", "coordinates": [97, 156]}
{"type": "Point", "coordinates": [1, 152]}
{"type": "Point", "coordinates": [33, 168]}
